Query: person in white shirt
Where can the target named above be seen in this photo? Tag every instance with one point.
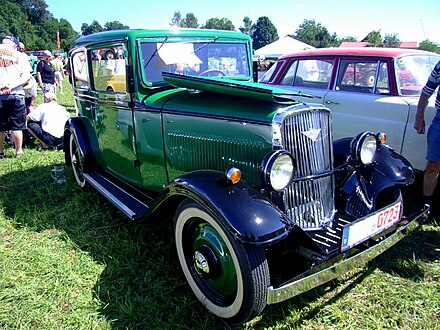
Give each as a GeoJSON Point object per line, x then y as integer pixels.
{"type": "Point", "coordinates": [14, 74]}
{"type": "Point", "coordinates": [46, 122]}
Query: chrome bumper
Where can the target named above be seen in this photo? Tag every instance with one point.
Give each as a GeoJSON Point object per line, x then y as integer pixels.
{"type": "Point", "coordinates": [338, 266]}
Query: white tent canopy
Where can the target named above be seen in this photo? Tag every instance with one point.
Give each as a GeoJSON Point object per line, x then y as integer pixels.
{"type": "Point", "coordinates": [282, 46]}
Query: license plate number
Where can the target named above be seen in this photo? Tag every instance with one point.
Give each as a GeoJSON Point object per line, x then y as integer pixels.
{"type": "Point", "coordinates": [363, 229]}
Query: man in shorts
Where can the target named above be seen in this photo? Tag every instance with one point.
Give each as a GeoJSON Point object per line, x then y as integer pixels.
{"type": "Point", "coordinates": [14, 74]}
{"type": "Point", "coordinates": [59, 74]}
{"type": "Point", "coordinates": [433, 154]}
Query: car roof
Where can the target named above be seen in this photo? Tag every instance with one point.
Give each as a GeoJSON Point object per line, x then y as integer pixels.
{"type": "Point", "coordinates": [143, 33]}
{"type": "Point", "coordinates": [358, 51]}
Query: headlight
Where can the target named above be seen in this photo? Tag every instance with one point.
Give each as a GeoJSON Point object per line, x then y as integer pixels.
{"type": "Point", "coordinates": [363, 147]}
{"type": "Point", "coordinates": [278, 169]}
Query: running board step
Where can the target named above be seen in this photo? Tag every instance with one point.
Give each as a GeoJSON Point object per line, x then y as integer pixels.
{"type": "Point", "coordinates": [130, 205]}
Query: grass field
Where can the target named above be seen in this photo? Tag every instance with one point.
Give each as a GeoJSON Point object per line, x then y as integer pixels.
{"type": "Point", "coordinates": [70, 260]}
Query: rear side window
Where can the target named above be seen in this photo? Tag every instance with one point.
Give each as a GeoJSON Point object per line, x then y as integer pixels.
{"type": "Point", "coordinates": [310, 73]}
{"type": "Point", "coordinates": [108, 66]}
{"type": "Point", "coordinates": [362, 76]}
{"type": "Point", "coordinates": [79, 69]}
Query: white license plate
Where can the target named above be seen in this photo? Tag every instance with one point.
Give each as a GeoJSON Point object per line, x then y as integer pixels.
{"type": "Point", "coordinates": [363, 229]}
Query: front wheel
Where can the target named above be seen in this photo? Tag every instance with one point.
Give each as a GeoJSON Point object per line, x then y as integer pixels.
{"type": "Point", "coordinates": [228, 278]}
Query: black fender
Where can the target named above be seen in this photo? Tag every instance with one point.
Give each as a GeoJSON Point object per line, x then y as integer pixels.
{"type": "Point", "coordinates": [242, 210]}
{"type": "Point", "coordinates": [387, 161]}
{"type": "Point", "coordinates": [87, 139]}
{"type": "Point", "coordinates": [360, 186]}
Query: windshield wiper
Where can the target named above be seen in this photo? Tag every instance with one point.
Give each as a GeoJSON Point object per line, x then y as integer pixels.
{"type": "Point", "coordinates": [206, 44]}
{"type": "Point", "coordinates": [155, 52]}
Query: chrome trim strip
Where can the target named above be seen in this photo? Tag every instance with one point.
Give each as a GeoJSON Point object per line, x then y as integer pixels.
{"type": "Point", "coordinates": [127, 211]}
{"type": "Point", "coordinates": [314, 278]}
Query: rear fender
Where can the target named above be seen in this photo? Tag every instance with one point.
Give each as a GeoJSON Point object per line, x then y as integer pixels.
{"type": "Point", "coordinates": [85, 134]}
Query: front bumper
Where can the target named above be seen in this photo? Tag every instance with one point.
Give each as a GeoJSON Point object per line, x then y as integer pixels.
{"type": "Point", "coordinates": [342, 263]}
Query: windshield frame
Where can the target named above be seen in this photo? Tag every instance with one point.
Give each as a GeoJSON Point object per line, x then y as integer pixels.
{"type": "Point", "coordinates": [412, 72]}
{"type": "Point", "coordinates": [147, 57]}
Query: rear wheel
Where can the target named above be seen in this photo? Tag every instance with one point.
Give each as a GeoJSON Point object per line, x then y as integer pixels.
{"type": "Point", "coordinates": [228, 278]}
{"type": "Point", "coordinates": [77, 162]}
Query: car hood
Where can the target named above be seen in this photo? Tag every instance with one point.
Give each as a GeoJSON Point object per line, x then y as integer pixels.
{"type": "Point", "coordinates": [231, 87]}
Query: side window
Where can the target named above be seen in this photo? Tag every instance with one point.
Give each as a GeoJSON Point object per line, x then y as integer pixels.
{"type": "Point", "coordinates": [80, 70]}
{"type": "Point", "coordinates": [108, 66]}
{"type": "Point", "coordinates": [363, 76]}
{"type": "Point", "coordinates": [313, 73]}
{"type": "Point", "coordinates": [289, 77]}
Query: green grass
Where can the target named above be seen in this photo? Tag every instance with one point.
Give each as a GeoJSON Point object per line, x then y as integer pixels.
{"type": "Point", "coordinates": [70, 260]}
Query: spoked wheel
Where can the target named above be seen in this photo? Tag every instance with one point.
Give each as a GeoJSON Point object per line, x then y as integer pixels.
{"type": "Point", "coordinates": [228, 278]}
{"type": "Point", "coordinates": [77, 162]}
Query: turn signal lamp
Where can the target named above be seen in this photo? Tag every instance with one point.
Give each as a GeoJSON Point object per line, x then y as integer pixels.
{"type": "Point", "coordinates": [233, 175]}
{"type": "Point", "coordinates": [382, 137]}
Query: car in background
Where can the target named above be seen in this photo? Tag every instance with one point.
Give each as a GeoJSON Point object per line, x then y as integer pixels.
{"type": "Point", "coordinates": [366, 88]}
{"type": "Point", "coordinates": [40, 54]}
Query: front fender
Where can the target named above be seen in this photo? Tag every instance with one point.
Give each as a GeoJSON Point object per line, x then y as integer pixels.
{"type": "Point", "coordinates": [364, 188]}
{"type": "Point", "coordinates": [388, 162]}
{"type": "Point", "coordinates": [244, 211]}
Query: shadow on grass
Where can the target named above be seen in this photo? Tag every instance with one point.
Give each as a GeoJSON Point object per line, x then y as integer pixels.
{"type": "Point", "coordinates": [142, 286]}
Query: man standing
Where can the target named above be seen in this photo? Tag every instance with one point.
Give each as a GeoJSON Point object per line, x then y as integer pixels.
{"type": "Point", "coordinates": [433, 154]}
{"type": "Point", "coordinates": [46, 122]}
{"type": "Point", "coordinates": [59, 74]}
{"type": "Point", "coordinates": [14, 74]}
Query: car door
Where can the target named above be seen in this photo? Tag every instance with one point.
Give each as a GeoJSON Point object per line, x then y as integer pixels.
{"type": "Point", "coordinates": [114, 113]}
{"type": "Point", "coordinates": [361, 101]}
{"type": "Point", "coordinates": [311, 77]}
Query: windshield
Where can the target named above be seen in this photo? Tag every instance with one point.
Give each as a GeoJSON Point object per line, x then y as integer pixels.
{"type": "Point", "coordinates": [413, 72]}
{"type": "Point", "coordinates": [204, 58]}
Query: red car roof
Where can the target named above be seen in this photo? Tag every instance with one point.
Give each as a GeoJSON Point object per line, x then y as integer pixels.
{"type": "Point", "coordinates": [359, 51]}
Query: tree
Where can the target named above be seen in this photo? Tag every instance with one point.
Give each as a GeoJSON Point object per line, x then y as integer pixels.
{"type": "Point", "coordinates": [391, 40]}
{"type": "Point", "coordinates": [92, 28]}
{"type": "Point", "coordinates": [429, 46]}
{"type": "Point", "coordinates": [177, 18]}
{"type": "Point", "coordinates": [219, 24]}
{"type": "Point", "coordinates": [247, 26]}
{"type": "Point", "coordinates": [190, 21]}
{"type": "Point", "coordinates": [116, 25]}
{"type": "Point", "coordinates": [374, 38]}
{"type": "Point", "coordinates": [263, 33]}
{"type": "Point", "coordinates": [315, 34]}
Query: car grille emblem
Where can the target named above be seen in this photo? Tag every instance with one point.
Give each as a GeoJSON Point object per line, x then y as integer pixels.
{"type": "Point", "coordinates": [312, 134]}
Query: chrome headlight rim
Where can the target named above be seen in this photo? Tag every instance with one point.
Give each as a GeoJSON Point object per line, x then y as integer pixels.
{"type": "Point", "coordinates": [273, 177]}
{"type": "Point", "coordinates": [364, 148]}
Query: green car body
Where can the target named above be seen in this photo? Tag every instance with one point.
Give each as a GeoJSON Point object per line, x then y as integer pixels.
{"type": "Point", "coordinates": [171, 123]}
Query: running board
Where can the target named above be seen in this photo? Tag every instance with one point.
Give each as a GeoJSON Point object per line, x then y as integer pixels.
{"type": "Point", "coordinates": [130, 205]}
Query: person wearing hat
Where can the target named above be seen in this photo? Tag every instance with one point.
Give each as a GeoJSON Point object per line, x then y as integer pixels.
{"type": "Point", "coordinates": [14, 74]}
{"type": "Point", "coordinates": [30, 89]}
{"type": "Point", "coordinates": [46, 122]}
{"type": "Point", "coordinates": [46, 73]}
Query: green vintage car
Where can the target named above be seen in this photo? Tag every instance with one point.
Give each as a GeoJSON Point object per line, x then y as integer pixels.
{"type": "Point", "coordinates": [265, 205]}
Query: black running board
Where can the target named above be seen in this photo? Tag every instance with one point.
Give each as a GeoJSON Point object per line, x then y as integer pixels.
{"type": "Point", "coordinates": [130, 205]}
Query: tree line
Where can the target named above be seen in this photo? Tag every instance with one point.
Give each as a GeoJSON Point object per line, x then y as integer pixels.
{"type": "Point", "coordinates": [35, 26]}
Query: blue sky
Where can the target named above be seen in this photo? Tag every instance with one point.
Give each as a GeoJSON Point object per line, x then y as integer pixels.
{"type": "Point", "coordinates": [411, 20]}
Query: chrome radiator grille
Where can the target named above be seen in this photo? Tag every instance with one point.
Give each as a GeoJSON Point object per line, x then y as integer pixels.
{"type": "Point", "coordinates": [307, 135]}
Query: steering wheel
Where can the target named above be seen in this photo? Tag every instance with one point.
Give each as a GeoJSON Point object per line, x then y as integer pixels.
{"type": "Point", "coordinates": [207, 72]}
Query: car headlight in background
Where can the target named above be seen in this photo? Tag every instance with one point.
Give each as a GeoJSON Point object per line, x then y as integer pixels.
{"type": "Point", "coordinates": [364, 147]}
{"type": "Point", "coordinates": [278, 169]}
